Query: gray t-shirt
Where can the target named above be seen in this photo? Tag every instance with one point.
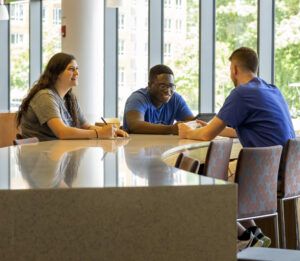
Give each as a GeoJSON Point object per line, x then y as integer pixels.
{"type": "Point", "coordinates": [44, 106]}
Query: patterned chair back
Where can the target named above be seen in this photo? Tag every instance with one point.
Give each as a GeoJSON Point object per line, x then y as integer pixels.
{"type": "Point", "coordinates": [178, 160]}
{"type": "Point", "coordinates": [187, 163]}
{"type": "Point", "coordinates": [217, 159]}
{"type": "Point", "coordinates": [25, 141]}
{"type": "Point", "coordinates": [289, 171]}
{"type": "Point", "coordinates": [256, 175]}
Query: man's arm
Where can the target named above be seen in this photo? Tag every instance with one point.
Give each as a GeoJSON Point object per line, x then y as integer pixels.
{"type": "Point", "coordinates": [189, 118]}
{"type": "Point", "coordinates": [228, 132]}
{"type": "Point", "coordinates": [214, 128]}
{"type": "Point", "coordinates": [137, 124]}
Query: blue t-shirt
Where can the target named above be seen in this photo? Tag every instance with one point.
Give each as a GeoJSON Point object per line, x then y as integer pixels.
{"type": "Point", "coordinates": [259, 114]}
{"type": "Point", "coordinates": [175, 109]}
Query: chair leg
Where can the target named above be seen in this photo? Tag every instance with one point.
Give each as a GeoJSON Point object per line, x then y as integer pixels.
{"type": "Point", "coordinates": [276, 229]}
{"type": "Point", "coordinates": [282, 223]}
{"type": "Point", "coordinates": [296, 222]}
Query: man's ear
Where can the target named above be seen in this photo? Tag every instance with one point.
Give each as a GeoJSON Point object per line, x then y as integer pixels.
{"type": "Point", "coordinates": [235, 70]}
{"type": "Point", "coordinates": [150, 84]}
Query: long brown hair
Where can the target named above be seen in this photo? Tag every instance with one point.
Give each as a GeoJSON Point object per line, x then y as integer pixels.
{"type": "Point", "coordinates": [56, 65]}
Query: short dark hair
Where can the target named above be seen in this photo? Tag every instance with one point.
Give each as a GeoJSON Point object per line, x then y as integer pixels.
{"type": "Point", "coordinates": [246, 57]}
{"type": "Point", "coordinates": [159, 69]}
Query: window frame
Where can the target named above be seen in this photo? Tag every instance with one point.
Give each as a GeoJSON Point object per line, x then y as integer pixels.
{"type": "Point", "coordinates": [207, 11]}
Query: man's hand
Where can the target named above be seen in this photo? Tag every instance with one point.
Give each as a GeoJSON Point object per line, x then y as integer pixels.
{"type": "Point", "coordinates": [202, 123]}
{"type": "Point", "coordinates": [174, 128]}
{"type": "Point", "coordinates": [183, 130]}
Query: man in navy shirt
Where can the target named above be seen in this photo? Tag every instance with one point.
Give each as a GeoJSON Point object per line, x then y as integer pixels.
{"type": "Point", "coordinates": [257, 114]}
{"type": "Point", "coordinates": [153, 110]}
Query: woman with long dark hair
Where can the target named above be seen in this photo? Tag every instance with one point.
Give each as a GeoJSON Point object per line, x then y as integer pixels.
{"type": "Point", "coordinates": [51, 111]}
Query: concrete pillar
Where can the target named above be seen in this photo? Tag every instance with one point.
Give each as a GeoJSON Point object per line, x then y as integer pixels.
{"type": "Point", "coordinates": [83, 22]}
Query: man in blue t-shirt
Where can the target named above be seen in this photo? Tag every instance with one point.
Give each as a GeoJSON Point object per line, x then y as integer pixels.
{"type": "Point", "coordinates": [255, 110]}
{"type": "Point", "coordinates": [257, 114]}
{"type": "Point", "coordinates": [153, 110]}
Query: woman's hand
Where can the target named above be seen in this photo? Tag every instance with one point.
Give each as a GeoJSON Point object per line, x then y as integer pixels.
{"type": "Point", "coordinates": [120, 133]}
{"type": "Point", "coordinates": [110, 131]}
{"type": "Point", "coordinates": [105, 132]}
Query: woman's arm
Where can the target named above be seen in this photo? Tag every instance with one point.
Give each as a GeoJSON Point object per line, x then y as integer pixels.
{"type": "Point", "coordinates": [117, 131]}
{"type": "Point", "coordinates": [87, 126]}
{"type": "Point", "coordinates": [63, 132]}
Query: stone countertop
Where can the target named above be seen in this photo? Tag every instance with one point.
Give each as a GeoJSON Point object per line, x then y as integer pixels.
{"type": "Point", "coordinates": [133, 162]}
{"type": "Point", "coordinates": [123, 203]}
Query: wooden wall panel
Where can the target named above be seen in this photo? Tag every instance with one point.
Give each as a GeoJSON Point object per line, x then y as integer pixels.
{"type": "Point", "coordinates": [8, 129]}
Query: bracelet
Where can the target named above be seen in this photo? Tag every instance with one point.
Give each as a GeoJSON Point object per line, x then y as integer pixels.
{"type": "Point", "coordinates": [96, 133]}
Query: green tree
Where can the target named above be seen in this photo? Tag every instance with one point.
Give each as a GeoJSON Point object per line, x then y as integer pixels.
{"type": "Point", "coordinates": [236, 26]}
{"type": "Point", "coordinates": [287, 46]}
{"type": "Point", "coordinates": [51, 45]}
{"type": "Point", "coordinates": [19, 76]}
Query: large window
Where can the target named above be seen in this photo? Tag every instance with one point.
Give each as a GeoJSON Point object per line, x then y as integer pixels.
{"type": "Point", "coordinates": [181, 47]}
{"type": "Point", "coordinates": [133, 50]}
{"type": "Point", "coordinates": [236, 26]}
{"type": "Point", "coordinates": [51, 35]}
{"type": "Point", "coordinates": [287, 46]}
{"type": "Point", "coordinates": [17, 12]}
{"type": "Point", "coordinates": [16, 39]}
{"type": "Point", "coordinates": [19, 52]}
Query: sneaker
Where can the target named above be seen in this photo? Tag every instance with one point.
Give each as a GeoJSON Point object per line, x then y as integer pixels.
{"type": "Point", "coordinates": [253, 241]}
{"type": "Point", "coordinates": [266, 240]}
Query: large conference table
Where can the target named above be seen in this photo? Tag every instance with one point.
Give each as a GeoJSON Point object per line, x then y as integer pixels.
{"type": "Point", "coordinates": [112, 200]}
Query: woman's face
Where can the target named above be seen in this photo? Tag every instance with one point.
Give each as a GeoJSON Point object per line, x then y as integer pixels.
{"type": "Point", "coordinates": [69, 77]}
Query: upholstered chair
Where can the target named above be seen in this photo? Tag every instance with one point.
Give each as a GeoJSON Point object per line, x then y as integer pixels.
{"type": "Point", "coordinates": [217, 159]}
{"type": "Point", "coordinates": [256, 176]}
{"type": "Point", "coordinates": [289, 183]}
{"type": "Point", "coordinates": [187, 163]}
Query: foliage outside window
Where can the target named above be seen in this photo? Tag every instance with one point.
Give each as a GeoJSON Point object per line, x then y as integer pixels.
{"type": "Point", "coordinates": [287, 46]}
{"type": "Point", "coordinates": [181, 47]}
{"type": "Point", "coordinates": [236, 26]}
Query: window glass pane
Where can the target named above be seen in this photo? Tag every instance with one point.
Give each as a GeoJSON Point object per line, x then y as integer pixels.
{"type": "Point", "coordinates": [19, 52]}
{"type": "Point", "coordinates": [236, 26]}
{"type": "Point", "coordinates": [51, 17]}
{"type": "Point", "coordinates": [287, 46]}
{"type": "Point", "coordinates": [132, 50]}
{"type": "Point", "coordinates": [181, 47]}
